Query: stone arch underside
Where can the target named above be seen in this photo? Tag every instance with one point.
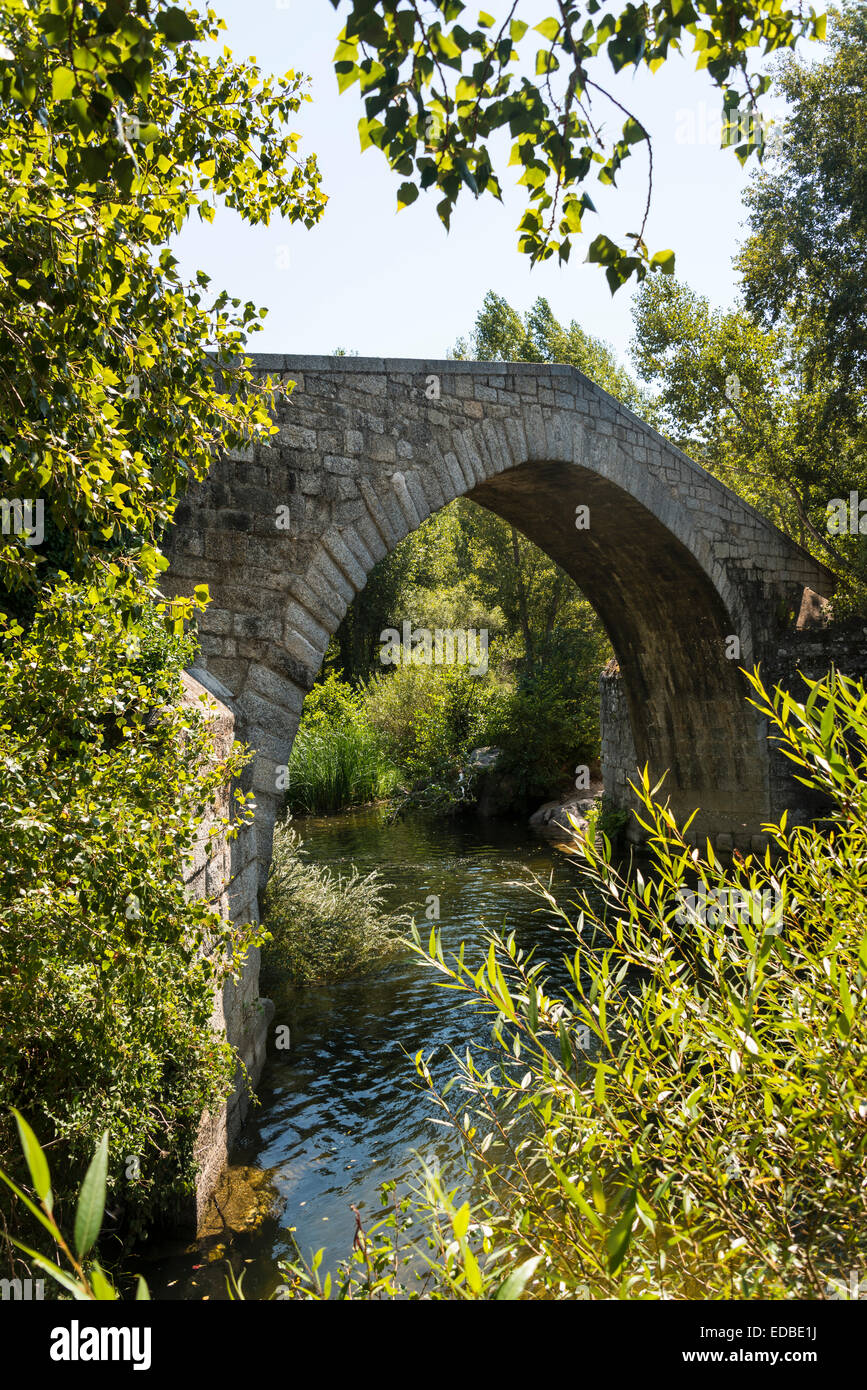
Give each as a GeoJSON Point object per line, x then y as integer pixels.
{"type": "Point", "coordinates": [669, 629]}
{"type": "Point", "coordinates": [673, 563]}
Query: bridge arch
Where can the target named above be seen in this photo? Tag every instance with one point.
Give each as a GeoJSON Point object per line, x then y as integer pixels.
{"type": "Point", "coordinates": [675, 564]}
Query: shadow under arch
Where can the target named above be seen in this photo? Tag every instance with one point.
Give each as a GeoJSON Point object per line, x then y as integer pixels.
{"type": "Point", "coordinates": [669, 628]}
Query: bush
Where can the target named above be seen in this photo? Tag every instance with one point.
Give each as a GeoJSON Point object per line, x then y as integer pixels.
{"type": "Point", "coordinates": [332, 702]}
{"type": "Point", "coordinates": [550, 722]}
{"type": "Point", "coordinates": [334, 768]}
{"type": "Point", "coordinates": [430, 717]}
{"type": "Point", "coordinates": [107, 972]}
{"type": "Point", "coordinates": [324, 928]}
{"type": "Point", "coordinates": [689, 1120]}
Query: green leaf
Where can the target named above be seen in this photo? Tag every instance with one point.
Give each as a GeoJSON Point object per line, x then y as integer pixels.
{"type": "Point", "coordinates": [620, 1237]}
{"type": "Point", "coordinates": [549, 28]}
{"type": "Point", "coordinates": [175, 25]}
{"type": "Point", "coordinates": [461, 1221]}
{"type": "Point", "coordinates": [472, 1271]}
{"type": "Point", "coordinates": [31, 1206]}
{"type": "Point", "coordinates": [664, 261]}
{"type": "Point", "coordinates": [565, 1049]}
{"type": "Point", "coordinates": [599, 1085]}
{"type": "Point", "coordinates": [91, 1200]}
{"type": "Point", "coordinates": [36, 1160]}
{"type": "Point", "coordinates": [512, 1287]}
{"type": "Point", "coordinates": [598, 1192]}
{"type": "Point", "coordinates": [603, 250]}
{"type": "Point", "coordinates": [102, 1288]}
{"type": "Point", "coordinates": [532, 1009]}
{"type": "Point", "coordinates": [406, 194]}
{"type": "Point", "coordinates": [62, 83]}
{"type": "Point", "coordinates": [66, 1281]}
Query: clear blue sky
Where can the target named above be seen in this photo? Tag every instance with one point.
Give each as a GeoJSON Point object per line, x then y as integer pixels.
{"type": "Point", "coordinates": [394, 284]}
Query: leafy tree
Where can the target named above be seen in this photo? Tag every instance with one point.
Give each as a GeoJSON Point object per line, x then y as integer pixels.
{"type": "Point", "coordinates": [756, 406]}
{"type": "Point", "coordinates": [107, 971]}
{"type": "Point", "coordinates": [115, 129]}
{"type": "Point", "coordinates": [805, 261]}
{"type": "Point", "coordinates": [501, 335]}
{"type": "Point", "coordinates": [740, 398]}
{"type": "Point", "coordinates": [437, 94]}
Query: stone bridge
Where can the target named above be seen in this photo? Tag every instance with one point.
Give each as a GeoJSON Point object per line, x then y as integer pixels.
{"type": "Point", "coordinates": [689, 581]}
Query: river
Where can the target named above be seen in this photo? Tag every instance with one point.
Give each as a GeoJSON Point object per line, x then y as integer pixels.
{"type": "Point", "coordinates": [340, 1111]}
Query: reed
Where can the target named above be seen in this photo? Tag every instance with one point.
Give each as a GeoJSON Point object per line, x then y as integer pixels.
{"type": "Point", "coordinates": [333, 767]}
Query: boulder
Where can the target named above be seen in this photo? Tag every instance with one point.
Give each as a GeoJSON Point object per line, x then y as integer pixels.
{"type": "Point", "coordinates": [553, 817]}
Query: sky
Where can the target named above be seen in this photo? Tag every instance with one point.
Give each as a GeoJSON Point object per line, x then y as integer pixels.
{"type": "Point", "coordinates": [381, 283]}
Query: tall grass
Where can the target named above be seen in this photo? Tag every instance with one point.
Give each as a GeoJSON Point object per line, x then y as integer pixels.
{"type": "Point", "coordinates": [324, 927]}
{"type": "Point", "coordinates": [335, 766]}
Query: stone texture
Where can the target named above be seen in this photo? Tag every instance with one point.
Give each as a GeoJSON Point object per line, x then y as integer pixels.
{"type": "Point", "coordinates": [227, 870]}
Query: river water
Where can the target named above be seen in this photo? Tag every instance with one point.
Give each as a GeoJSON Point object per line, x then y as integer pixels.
{"type": "Point", "coordinates": [340, 1111]}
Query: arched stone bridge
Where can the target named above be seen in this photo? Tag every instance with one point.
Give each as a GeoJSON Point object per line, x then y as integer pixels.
{"type": "Point", "coordinates": [674, 563]}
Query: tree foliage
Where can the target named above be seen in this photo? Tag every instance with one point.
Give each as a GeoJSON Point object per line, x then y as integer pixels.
{"type": "Point", "coordinates": [771, 395]}
{"type": "Point", "coordinates": [437, 92]}
{"type": "Point", "coordinates": [107, 971]}
{"type": "Point", "coordinates": [501, 334]}
{"type": "Point", "coordinates": [116, 127]}
{"type": "Point", "coordinates": [805, 260]}
{"type": "Point", "coordinates": [740, 399]}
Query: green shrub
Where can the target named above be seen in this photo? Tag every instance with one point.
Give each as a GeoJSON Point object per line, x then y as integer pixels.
{"type": "Point", "coordinates": [333, 768]}
{"type": "Point", "coordinates": [337, 759]}
{"type": "Point", "coordinates": [324, 927]}
{"type": "Point", "coordinates": [550, 722]}
{"type": "Point", "coordinates": [430, 718]}
{"type": "Point", "coordinates": [689, 1120]}
{"type": "Point", "coordinates": [107, 972]}
{"type": "Point", "coordinates": [332, 703]}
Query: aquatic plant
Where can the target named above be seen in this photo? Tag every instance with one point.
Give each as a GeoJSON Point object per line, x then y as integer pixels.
{"type": "Point", "coordinates": [324, 926]}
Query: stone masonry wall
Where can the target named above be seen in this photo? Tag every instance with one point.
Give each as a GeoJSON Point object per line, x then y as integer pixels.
{"type": "Point", "coordinates": [224, 871]}
{"type": "Point", "coordinates": [810, 653]}
{"type": "Point", "coordinates": [619, 758]}
{"type": "Point", "coordinates": [805, 651]}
